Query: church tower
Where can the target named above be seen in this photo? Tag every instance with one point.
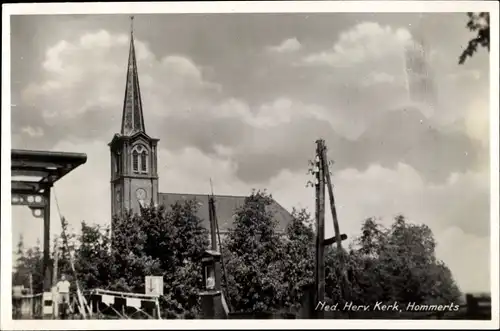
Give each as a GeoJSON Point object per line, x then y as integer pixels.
{"type": "Point", "coordinates": [134, 166]}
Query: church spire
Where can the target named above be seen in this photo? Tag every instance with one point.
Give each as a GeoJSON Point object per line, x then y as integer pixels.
{"type": "Point", "coordinates": [132, 118]}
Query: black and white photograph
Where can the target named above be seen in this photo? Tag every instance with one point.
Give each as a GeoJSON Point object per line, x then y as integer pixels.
{"type": "Point", "coordinates": [238, 161]}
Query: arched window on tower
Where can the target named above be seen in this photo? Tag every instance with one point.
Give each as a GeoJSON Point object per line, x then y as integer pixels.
{"type": "Point", "coordinates": [144, 162]}
{"type": "Point", "coordinates": [135, 161]}
{"type": "Point", "coordinates": [140, 159]}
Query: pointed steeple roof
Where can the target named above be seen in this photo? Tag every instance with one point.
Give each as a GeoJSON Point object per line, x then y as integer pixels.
{"type": "Point", "coordinates": [132, 118]}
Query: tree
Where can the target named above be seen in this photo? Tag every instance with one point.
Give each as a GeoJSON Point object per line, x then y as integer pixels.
{"type": "Point", "coordinates": [299, 258]}
{"type": "Point", "coordinates": [368, 279]}
{"type": "Point", "coordinates": [29, 261]}
{"type": "Point", "coordinates": [255, 266]}
{"type": "Point", "coordinates": [480, 24]}
{"type": "Point", "coordinates": [177, 238]}
{"type": "Point", "coordinates": [335, 275]}
{"type": "Point", "coordinates": [162, 242]}
{"type": "Point", "coordinates": [19, 275]}
{"type": "Point", "coordinates": [399, 264]}
{"type": "Point", "coordinates": [131, 263]}
{"type": "Point", "coordinates": [93, 259]}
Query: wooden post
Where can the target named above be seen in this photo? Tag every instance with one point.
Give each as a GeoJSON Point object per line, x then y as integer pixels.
{"type": "Point", "coordinates": [211, 214]}
{"type": "Point", "coordinates": [343, 282]}
{"type": "Point", "coordinates": [220, 246]}
{"type": "Point", "coordinates": [226, 305]}
{"type": "Point", "coordinates": [55, 296]}
{"type": "Point", "coordinates": [46, 242]}
{"type": "Point", "coordinates": [211, 297]}
{"type": "Point", "coordinates": [320, 222]}
{"type": "Point", "coordinates": [158, 309]}
{"type": "Point", "coordinates": [81, 298]}
{"type": "Point", "coordinates": [332, 199]}
{"type": "Point", "coordinates": [32, 301]}
{"type": "Point", "coordinates": [213, 239]}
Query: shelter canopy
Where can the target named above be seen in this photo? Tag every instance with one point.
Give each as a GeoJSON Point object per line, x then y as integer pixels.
{"type": "Point", "coordinates": [33, 171]}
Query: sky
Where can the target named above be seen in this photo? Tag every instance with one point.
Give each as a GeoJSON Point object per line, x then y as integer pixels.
{"type": "Point", "coordinates": [241, 99]}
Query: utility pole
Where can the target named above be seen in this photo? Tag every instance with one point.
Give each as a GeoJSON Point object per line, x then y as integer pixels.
{"type": "Point", "coordinates": [320, 227]}
{"type": "Point", "coordinates": [322, 173]}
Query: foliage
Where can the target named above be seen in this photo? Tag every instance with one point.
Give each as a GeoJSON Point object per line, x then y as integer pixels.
{"type": "Point", "coordinates": [161, 242]}
{"type": "Point", "coordinates": [480, 24]}
{"type": "Point", "coordinates": [94, 261]}
{"type": "Point", "coordinates": [267, 271]}
{"type": "Point", "coordinates": [177, 239]}
{"type": "Point", "coordinates": [398, 264]}
{"type": "Point", "coordinates": [166, 243]}
{"type": "Point", "coordinates": [256, 257]}
{"type": "Point", "coordinates": [300, 257]}
{"type": "Point", "coordinates": [130, 260]}
{"type": "Point", "coordinates": [29, 262]}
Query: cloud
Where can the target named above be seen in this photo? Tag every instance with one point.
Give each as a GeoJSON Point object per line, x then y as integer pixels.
{"type": "Point", "coordinates": [287, 46]}
{"type": "Point", "coordinates": [403, 135]}
{"type": "Point", "coordinates": [87, 74]}
{"type": "Point", "coordinates": [466, 75]}
{"type": "Point", "coordinates": [375, 78]}
{"type": "Point", "coordinates": [366, 41]}
{"type": "Point", "coordinates": [32, 131]}
{"type": "Point", "coordinates": [364, 71]}
{"type": "Point", "coordinates": [81, 95]}
{"type": "Point", "coordinates": [441, 205]}
{"type": "Point", "coordinates": [477, 121]}
{"type": "Point", "coordinates": [457, 210]}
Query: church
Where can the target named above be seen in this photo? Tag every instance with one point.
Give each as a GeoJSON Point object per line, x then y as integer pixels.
{"type": "Point", "coordinates": [134, 166]}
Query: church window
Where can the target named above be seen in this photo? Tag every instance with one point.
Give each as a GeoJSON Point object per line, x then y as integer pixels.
{"type": "Point", "coordinates": [135, 161]}
{"type": "Point", "coordinates": [144, 160]}
{"type": "Point", "coordinates": [140, 159]}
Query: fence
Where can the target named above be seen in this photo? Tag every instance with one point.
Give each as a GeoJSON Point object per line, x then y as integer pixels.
{"type": "Point", "coordinates": [124, 305]}
{"type": "Point", "coordinates": [28, 306]}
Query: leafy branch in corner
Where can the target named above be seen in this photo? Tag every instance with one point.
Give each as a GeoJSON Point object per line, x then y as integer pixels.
{"type": "Point", "coordinates": [479, 23]}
